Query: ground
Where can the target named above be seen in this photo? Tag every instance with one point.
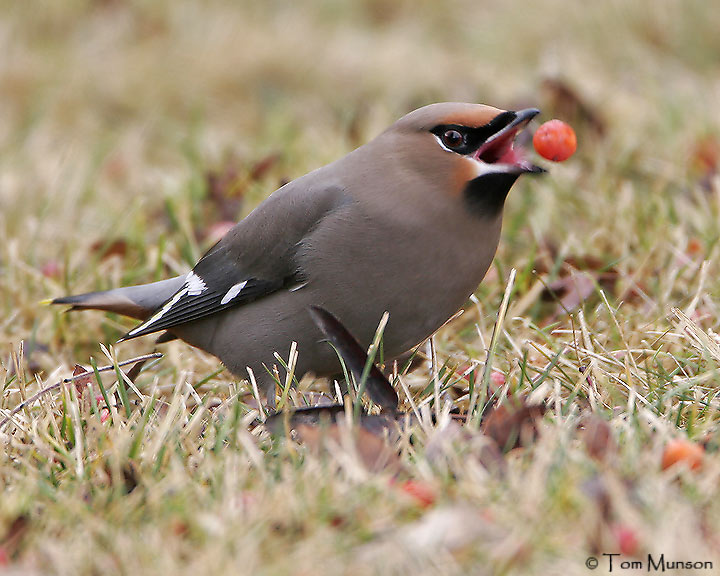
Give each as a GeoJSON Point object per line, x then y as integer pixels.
{"type": "Point", "coordinates": [131, 133]}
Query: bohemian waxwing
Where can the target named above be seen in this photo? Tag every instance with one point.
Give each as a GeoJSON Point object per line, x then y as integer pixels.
{"type": "Point", "coordinates": [408, 223]}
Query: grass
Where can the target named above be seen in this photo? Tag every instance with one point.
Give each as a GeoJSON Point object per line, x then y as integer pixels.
{"type": "Point", "coordinates": [128, 129]}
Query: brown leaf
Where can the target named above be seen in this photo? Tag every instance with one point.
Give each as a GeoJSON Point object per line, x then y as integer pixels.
{"type": "Point", "coordinates": [81, 384]}
{"type": "Point", "coordinates": [372, 450]}
{"type": "Point", "coordinates": [14, 535]}
{"type": "Point", "coordinates": [570, 291]}
{"type": "Point", "coordinates": [105, 249]}
{"type": "Point", "coordinates": [86, 381]}
{"type": "Point", "coordinates": [598, 439]}
{"type": "Point", "coordinates": [563, 101]}
{"type": "Point", "coordinates": [512, 423]}
{"type": "Point", "coordinates": [129, 475]}
{"type": "Point", "coordinates": [262, 167]}
{"type": "Point", "coordinates": [585, 262]}
{"type": "Point", "coordinates": [578, 277]}
{"type": "Point", "coordinates": [490, 456]}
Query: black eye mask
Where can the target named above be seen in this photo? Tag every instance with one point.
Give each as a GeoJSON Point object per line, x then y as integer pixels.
{"type": "Point", "coordinates": [473, 138]}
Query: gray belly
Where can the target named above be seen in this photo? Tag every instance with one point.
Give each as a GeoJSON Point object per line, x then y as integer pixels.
{"type": "Point", "coordinates": [419, 299]}
{"type": "Point", "coordinates": [250, 335]}
{"type": "Point", "coordinates": [420, 278]}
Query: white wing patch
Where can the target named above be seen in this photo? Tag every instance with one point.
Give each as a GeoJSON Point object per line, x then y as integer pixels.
{"type": "Point", "coordinates": [160, 313]}
{"type": "Point", "coordinates": [195, 284]}
{"type": "Point", "coordinates": [298, 286]}
{"type": "Point", "coordinates": [233, 292]}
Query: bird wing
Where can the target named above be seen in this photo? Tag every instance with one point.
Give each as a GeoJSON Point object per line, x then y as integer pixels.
{"type": "Point", "coordinates": [254, 259]}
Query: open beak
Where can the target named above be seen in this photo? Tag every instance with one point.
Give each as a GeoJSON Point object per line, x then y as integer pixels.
{"type": "Point", "coordinates": [501, 148]}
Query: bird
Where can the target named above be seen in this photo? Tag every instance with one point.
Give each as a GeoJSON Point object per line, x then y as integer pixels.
{"type": "Point", "coordinates": [407, 223]}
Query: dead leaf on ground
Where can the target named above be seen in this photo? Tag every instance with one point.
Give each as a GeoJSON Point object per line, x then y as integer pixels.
{"type": "Point", "coordinates": [105, 249]}
{"type": "Point", "coordinates": [597, 437]}
{"type": "Point", "coordinates": [373, 451]}
{"type": "Point", "coordinates": [129, 476]}
{"type": "Point", "coordinates": [262, 167]}
{"type": "Point", "coordinates": [578, 278]}
{"type": "Point", "coordinates": [87, 383]}
{"type": "Point", "coordinates": [563, 101]}
{"type": "Point", "coordinates": [82, 383]}
{"type": "Point", "coordinates": [513, 423]}
{"type": "Point", "coordinates": [570, 292]}
{"type": "Point", "coordinates": [14, 535]}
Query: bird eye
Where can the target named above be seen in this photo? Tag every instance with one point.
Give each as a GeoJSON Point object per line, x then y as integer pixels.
{"type": "Point", "coordinates": [452, 139]}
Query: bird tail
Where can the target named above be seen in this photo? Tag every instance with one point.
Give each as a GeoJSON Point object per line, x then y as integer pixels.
{"type": "Point", "coordinates": [134, 301]}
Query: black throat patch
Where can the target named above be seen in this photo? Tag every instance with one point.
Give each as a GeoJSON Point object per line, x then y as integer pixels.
{"type": "Point", "coordinates": [485, 195]}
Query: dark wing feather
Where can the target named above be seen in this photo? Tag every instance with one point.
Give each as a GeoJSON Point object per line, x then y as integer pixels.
{"type": "Point", "coordinates": [185, 308]}
{"type": "Point", "coordinates": [254, 259]}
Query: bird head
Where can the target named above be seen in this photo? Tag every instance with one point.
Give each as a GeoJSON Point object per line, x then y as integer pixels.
{"type": "Point", "coordinates": [468, 149]}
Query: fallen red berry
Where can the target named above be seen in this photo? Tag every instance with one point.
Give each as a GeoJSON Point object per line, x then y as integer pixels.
{"type": "Point", "coordinates": [555, 140]}
{"type": "Point", "coordinates": [627, 540]}
{"type": "Point", "coordinates": [421, 492]}
{"type": "Point", "coordinates": [682, 451]}
{"type": "Point", "coordinates": [497, 379]}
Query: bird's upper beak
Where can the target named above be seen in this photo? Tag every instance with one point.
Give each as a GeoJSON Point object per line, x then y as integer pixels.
{"type": "Point", "coordinates": [501, 148]}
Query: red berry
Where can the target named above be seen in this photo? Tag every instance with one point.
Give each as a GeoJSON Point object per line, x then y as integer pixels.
{"type": "Point", "coordinates": [497, 379]}
{"type": "Point", "coordinates": [627, 540]}
{"type": "Point", "coordinates": [51, 269]}
{"type": "Point", "coordinates": [683, 451]}
{"type": "Point", "coordinates": [555, 140]}
{"type": "Point", "coordinates": [421, 492]}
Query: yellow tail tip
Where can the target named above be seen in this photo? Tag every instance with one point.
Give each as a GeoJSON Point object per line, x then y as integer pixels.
{"type": "Point", "coordinates": [46, 302]}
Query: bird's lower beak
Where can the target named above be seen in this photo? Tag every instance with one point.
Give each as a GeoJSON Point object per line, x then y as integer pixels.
{"type": "Point", "coordinates": [501, 148]}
